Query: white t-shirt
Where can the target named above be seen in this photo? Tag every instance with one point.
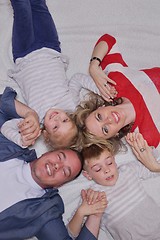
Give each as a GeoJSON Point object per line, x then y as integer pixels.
{"type": "Point", "coordinates": [17, 183]}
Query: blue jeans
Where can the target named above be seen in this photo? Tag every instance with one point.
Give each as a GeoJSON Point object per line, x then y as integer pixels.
{"type": "Point", "coordinates": [33, 28]}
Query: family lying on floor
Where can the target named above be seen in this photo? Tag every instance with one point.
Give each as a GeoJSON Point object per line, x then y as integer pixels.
{"type": "Point", "coordinates": [82, 136]}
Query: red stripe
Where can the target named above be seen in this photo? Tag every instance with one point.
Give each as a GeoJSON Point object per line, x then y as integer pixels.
{"type": "Point", "coordinates": [154, 75]}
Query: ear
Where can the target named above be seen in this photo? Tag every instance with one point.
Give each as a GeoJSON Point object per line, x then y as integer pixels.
{"type": "Point", "coordinates": [45, 135]}
{"type": "Point", "coordinates": [85, 174]}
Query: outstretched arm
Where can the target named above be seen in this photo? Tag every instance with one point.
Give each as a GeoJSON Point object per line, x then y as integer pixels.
{"type": "Point", "coordinates": [24, 131]}
{"type": "Point", "coordinates": [92, 207]}
{"type": "Point", "coordinates": [142, 151]}
{"type": "Point", "coordinates": [29, 127]}
{"type": "Point", "coordinates": [100, 78]}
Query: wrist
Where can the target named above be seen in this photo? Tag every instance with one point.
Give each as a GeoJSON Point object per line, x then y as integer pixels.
{"type": "Point", "coordinates": [95, 60]}
{"type": "Point", "coordinates": [31, 112]}
{"type": "Point", "coordinates": [155, 167]}
{"type": "Point", "coordinates": [94, 67]}
{"type": "Point", "coordinates": [80, 212]}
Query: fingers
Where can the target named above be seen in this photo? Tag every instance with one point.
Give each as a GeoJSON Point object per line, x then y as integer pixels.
{"type": "Point", "coordinates": [30, 129]}
{"type": "Point", "coordinates": [84, 195]}
{"type": "Point", "coordinates": [108, 92]}
{"type": "Point", "coordinates": [26, 127]}
{"type": "Point", "coordinates": [92, 196]}
{"type": "Point", "coordinates": [136, 140]}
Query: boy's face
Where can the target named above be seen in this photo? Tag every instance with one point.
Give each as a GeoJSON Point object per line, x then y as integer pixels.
{"type": "Point", "coordinates": [103, 170]}
{"type": "Point", "coordinates": [58, 125]}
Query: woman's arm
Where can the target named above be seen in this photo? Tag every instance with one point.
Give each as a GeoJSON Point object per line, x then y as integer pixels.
{"type": "Point", "coordinates": [100, 78]}
{"type": "Point", "coordinates": [142, 151]}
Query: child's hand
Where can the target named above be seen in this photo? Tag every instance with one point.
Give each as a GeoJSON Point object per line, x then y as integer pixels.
{"type": "Point", "coordinates": [93, 202]}
{"type": "Point", "coordinates": [103, 83]}
{"type": "Point", "coordinates": [92, 196]}
{"type": "Point", "coordinates": [29, 129]}
{"type": "Point", "coordinates": [142, 151]}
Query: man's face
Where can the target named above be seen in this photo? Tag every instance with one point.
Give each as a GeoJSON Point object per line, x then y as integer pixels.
{"type": "Point", "coordinates": [53, 169]}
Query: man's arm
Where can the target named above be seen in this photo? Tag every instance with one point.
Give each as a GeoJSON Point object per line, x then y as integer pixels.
{"type": "Point", "coordinates": [11, 108]}
{"type": "Point", "coordinates": [56, 230]}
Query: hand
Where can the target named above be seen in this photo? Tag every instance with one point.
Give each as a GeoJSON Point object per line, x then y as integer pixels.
{"type": "Point", "coordinates": [29, 128]}
{"type": "Point", "coordinates": [142, 151]}
{"type": "Point", "coordinates": [93, 202]}
{"type": "Point", "coordinates": [103, 83]}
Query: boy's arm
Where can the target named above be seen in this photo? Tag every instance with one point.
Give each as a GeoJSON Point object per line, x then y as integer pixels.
{"type": "Point", "coordinates": [92, 211]}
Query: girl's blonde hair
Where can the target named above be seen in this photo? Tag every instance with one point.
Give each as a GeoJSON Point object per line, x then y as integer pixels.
{"type": "Point", "coordinates": [65, 140]}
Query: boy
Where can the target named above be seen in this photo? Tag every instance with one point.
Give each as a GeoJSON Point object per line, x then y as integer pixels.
{"type": "Point", "coordinates": [131, 213]}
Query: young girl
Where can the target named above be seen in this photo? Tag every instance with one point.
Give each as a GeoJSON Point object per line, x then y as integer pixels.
{"type": "Point", "coordinates": [131, 213]}
{"type": "Point", "coordinates": [40, 71]}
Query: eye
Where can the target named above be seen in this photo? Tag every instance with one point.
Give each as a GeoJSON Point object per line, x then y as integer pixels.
{"type": "Point", "coordinates": [67, 172]}
{"type": "Point", "coordinates": [105, 130]}
{"type": "Point", "coordinates": [61, 156]}
{"type": "Point", "coordinates": [98, 117]}
{"type": "Point", "coordinates": [109, 161]}
{"type": "Point", "coordinates": [55, 127]}
{"type": "Point", "coordinates": [96, 169]}
{"type": "Point", "coordinates": [66, 120]}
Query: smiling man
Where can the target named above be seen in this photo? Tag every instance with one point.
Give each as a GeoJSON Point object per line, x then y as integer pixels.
{"type": "Point", "coordinates": [30, 204]}
{"type": "Point", "coordinates": [56, 168]}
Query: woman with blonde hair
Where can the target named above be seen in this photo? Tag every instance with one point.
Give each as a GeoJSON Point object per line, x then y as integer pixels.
{"type": "Point", "coordinates": [133, 109]}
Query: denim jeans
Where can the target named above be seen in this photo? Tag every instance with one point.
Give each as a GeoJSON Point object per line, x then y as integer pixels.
{"type": "Point", "coordinates": [33, 28]}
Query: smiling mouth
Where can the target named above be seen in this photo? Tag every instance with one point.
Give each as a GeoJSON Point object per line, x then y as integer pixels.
{"type": "Point", "coordinates": [110, 178]}
{"type": "Point", "coordinates": [52, 115]}
{"type": "Point", "coordinates": [115, 116]}
{"type": "Point", "coordinates": [48, 170]}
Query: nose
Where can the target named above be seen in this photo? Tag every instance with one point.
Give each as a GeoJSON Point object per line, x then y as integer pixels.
{"type": "Point", "coordinates": [108, 120]}
{"type": "Point", "coordinates": [106, 169]}
{"type": "Point", "coordinates": [57, 166]}
{"type": "Point", "coordinates": [56, 117]}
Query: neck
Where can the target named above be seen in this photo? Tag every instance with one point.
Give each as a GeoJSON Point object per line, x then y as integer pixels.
{"type": "Point", "coordinates": [129, 110]}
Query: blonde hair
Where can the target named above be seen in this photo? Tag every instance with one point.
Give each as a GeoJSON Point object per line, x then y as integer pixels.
{"type": "Point", "coordinates": [64, 140]}
{"type": "Point", "coordinates": [83, 110]}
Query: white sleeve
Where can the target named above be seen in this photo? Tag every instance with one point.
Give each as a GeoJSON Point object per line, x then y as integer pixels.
{"type": "Point", "coordinates": [10, 130]}
{"type": "Point", "coordinates": [141, 171]}
{"type": "Point", "coordinates": [79, 86]}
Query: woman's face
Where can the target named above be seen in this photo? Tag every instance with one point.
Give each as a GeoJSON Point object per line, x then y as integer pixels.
{"type": "Point", "coordinates": [106, 122]}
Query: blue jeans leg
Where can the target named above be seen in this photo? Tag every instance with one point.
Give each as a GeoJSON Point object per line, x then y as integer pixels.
{"type": "Point", "coordinates": [33, 28]}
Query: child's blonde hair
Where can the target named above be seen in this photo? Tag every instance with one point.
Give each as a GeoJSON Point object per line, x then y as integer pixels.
{"type": "Point", "coordinates": [66, 140]}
